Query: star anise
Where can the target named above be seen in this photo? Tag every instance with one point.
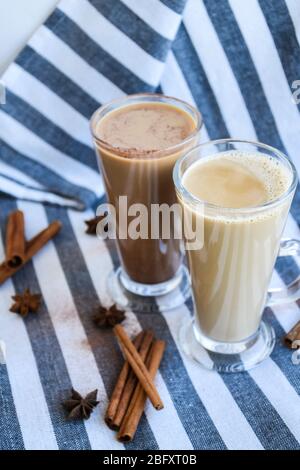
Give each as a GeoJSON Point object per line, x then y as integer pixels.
{"type": "Point", "coordinates": [91, 224]}
{"type": "Point", "coordinates": [25, 303]}
{"type": "Point", "coordinates": [109, 317]}
{"type": "Point", "coordinates": [79, 407]}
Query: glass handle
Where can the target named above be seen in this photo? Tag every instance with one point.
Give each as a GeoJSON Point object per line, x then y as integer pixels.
{"type": "Point", "coordinates": [290, 293]}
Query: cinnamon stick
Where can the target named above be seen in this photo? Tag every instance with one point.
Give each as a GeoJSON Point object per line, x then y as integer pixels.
{"type": "Point", "coordinates": [131, 382]}
{"type": "Point", "coordinates": [15, 240]}
{"type": "Point", "coordinates": [32, 247]}
{"type": "Point", "coordinates": [292, 336]}
{"type": "Point", "coordinates": [119, 387]}
{"type": "Point", "coordinates": [136, 408]}
{"type": "Point", "coordinates": [138, 367]}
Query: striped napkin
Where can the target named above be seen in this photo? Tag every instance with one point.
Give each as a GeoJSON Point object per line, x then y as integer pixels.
{"type": "Point", "coordinates": [237, 64]}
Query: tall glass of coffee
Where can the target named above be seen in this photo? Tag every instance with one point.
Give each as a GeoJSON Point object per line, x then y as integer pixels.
{"type": "Point", "coordinates": [138, 140]}
{"type": "Point", "coordinates": [238, 195]}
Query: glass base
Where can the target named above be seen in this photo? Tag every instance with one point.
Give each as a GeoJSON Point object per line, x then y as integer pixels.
{"type": "Point", "coordinates": [227, 357]}
{"type": "Point", "coordinates": [149, 298]}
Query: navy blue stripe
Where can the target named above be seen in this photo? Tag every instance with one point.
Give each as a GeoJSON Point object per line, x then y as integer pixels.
{"type": "Point", "coordinates": [56, 81]}
{"type": "Point", "coordinates": [50, 362]}
{"type": "Point", "coordinates": [244, 71]}
{"type": "Point", "coordinates": [134, 27]}
{"type": "Point", "coordinates": [176, 5]}
{"type": "Point", "coordinates": [93, 54]}
{"type": "Point", "coordinates": [261, 415]}
{"type": "Point", "coordinates": [287, 269]}
{"type": "Point", "coordinates": [51, 180]}
{"type": "Point", "coordinates": [10, 431]}
{"type": "Point", "coordinates": [102, 342]}
{"type": "Point", "coordinates": [198, 83]}
{"type": "Point", "coordinates": [196, 421]}
{"type": "Point", "coordinates": [47, 130]}
{"type": "Point", "coordinates": [284, 35]}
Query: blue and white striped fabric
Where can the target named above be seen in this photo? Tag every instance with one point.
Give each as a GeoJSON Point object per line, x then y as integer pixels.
{"type": "Point", "coordinates": [236, 61]}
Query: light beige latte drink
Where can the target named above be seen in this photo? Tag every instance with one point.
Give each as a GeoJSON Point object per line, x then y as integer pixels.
{"type": "Point", "coordinates": [231, 272]}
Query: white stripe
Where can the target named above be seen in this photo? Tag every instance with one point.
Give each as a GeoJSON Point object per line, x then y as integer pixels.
{"type": "Point", "coordinates": [158, 16]}
{"type": "Point", "coordinates": [218, 70]}
{"type": "Point", "coordinates": [27, 391]}
{"type": "Point", "coordinates": [61, 56]}
{"type": "Point", "coordinates": [292, 228]}
{"type": "Point", "coordinates": [18, 175]}
{"type": "Point", "coordinates": [261, 46]}
{"type": "Point", "coordinates": [213, 393]}
{"type": "Point", "coordinates": [173, 83]}
{"type": "Point", "coordinates": [95, 254]}
{"type": "Point", "coordinates": [48, 103]}
{"type": "Point", "coordinates": [166, 425]}
{"type": "Point", "coordinates": [21, 192]}
{"type": "Point", "coordinates": [28, 143]}
{"type": "Point", "coordinates": [294, 10]}
{"type": "Point", "coordinates": [16, 188]}
{"type": "Point", "coordinates": [2, 352]}
{"type": "Point", "coordinates": [114, 41]}
{"type": "Point", "coordinates": [70, 334]}
{"type": "Point", "coordinates": [288, 314]}
{"type": "Point", "coordinates": [94, 249]}
{"type": "Point", "coordinates": [280, 394]}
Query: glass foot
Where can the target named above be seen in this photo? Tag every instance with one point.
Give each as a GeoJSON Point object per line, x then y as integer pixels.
{"type": "Point", "coordinates": [149, 298]}
{"type": "Point", "coordinates": [227, 357]}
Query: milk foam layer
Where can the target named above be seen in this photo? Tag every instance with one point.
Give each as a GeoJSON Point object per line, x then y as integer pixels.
{"type": "Point", "coordinates": [235, 176]}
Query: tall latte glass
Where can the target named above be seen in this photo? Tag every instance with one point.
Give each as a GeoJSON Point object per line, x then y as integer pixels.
{"type": "Point", "coordinates": [138, 140]}
{"type": "Point", "coordinates": [238, 195]}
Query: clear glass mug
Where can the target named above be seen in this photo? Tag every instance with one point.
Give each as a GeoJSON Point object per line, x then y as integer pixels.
{"type": "Point", "coordinates": [150, 268]}
{"type": "Point", "coordinates": [232, 267]}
